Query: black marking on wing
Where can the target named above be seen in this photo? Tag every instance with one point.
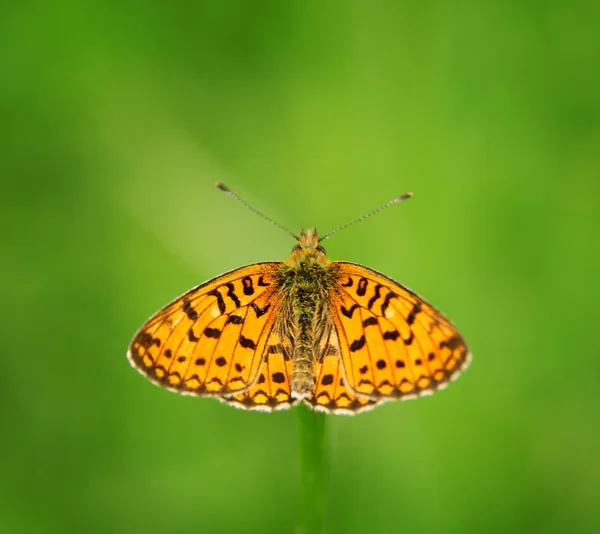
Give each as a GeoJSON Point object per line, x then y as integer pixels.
{"type": "Point", "coordinates": [146, 340]}
{"type": "Point", "coordinates": [453, 343]}
{"type": "Point", "coordinates": [248, 287]}
{"type": "Point", "coordinates": [220, 301]}
{"type": "Point", "coordinates": [247, 343]}
{"type": "Point", "coordinates": [375, 297]}
{"type": "Point", "coordinates": [278, 377]}
{"type": "Point", "coordinates": [259, 311]}
{"type": "Point", "coordinates": [410, 319]}
{"type": "Point", "coordinates": [362, 287]}
{"type": "Point", "coordinates": [190, 312]}
{"type": "Point", "coordinates": [212, 332]}
{"type": "Point", "coordinates": [392, 334]}
{"type": "Point", "coordinates": [231, 294]}
{"type": "Point", "coordinates": [348, 312]}
{"type": "Point", "coordinates": [327, 380]}
{"type": "Point", "coordinates": [386, 301]}
{"type": "Point", "coordinates": [357, 344]}
{"type": "Point", "coordinates": [369, 321]}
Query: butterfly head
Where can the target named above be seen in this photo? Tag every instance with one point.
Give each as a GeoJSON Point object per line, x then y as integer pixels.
{"type": "Point", "coordinates": [308, 247]}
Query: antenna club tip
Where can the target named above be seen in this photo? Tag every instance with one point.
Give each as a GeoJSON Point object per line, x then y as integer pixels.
{"type": "Point", "coordinates": [403, 197]}
{"type": "Point", "coordinates": [222, 187]}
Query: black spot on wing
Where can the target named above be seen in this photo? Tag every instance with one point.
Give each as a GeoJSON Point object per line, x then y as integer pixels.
{"type": "Point", "coordinates": [248, 286]}
{"type": "Point", "coordinates": [192, 336]}
{"type": "Point", "coordinates": [392, 334]}
{"type": "Point", "coordinates": [146, 340]}
{"type": "Point", "coordinates": [247, 343]}
{"type": "Point", "coordinates": [235, 319]}
{"type": "Point", "coordinates": [327, 380]}
{"type": "Point", "coordinates": [212, 332]}
{"type": "Point", "coordinates": [259, 311]}
{"type": "Point", "coordinates": [370, 321]}
{"type": "Point", "coordinates": [362, 287]}
{"type": "Point", "coordinates": [348, 283]}
{"type": "Point", "coordinates": [278, 377]}
{"type": "Point", "coordinates": [357, 344]}
{"type": "Point", "coordinates": [189, 311]}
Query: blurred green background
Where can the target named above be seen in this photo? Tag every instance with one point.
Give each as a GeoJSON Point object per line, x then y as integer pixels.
{"type": "Point", "coordinates": [116, 119]}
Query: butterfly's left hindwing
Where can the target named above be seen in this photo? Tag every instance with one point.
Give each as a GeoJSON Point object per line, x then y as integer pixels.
{"type": "Point", "coordinates": [211, 340]}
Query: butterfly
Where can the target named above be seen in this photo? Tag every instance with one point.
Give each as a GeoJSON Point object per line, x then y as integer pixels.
{"type": "Point", "coordinates": [337, 336]}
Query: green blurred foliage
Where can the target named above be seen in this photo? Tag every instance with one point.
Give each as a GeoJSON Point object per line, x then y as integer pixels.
{"type": "Point", "coordinates": [116, 118]}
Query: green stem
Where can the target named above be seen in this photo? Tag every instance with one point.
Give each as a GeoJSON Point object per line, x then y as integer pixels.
{"type": "Point", "coordinates": [313, 467]}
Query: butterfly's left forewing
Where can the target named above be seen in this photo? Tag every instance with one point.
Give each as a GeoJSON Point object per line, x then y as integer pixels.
{"type": "Point", "coordinates": [212, 340]}
{"type": "Point", "coordinates": [393, 344]}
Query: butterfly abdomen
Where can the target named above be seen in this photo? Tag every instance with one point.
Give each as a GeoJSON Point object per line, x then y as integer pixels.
{"type": "Point", "coordinates": [306, 284]}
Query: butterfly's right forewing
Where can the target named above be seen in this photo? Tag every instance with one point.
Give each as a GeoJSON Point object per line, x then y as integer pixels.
{"type": "Point", "coordinates": [211, 340]}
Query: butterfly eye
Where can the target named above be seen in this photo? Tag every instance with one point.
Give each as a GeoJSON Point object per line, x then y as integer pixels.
{"type": "Point", "coordinates": [321, 249]}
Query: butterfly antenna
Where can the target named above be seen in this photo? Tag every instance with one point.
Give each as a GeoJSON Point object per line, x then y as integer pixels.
{"type": "Point", "coordinates": [386, 205]}
{"type": "Point", "coordinates": [229, 192]}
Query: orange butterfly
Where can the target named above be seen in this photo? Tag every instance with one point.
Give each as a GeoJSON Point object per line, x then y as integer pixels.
{"type": "Point", "coordinates": [338, 336]}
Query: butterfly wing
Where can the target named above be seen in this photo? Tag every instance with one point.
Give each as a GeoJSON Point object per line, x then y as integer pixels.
{"type": "Point", "coordinates": [393, 344]}
{"type": "Point", "coordinates": [271, 390]}
{"type": "Point", "coordinates": [213, 340]}
{"type": "Point", "coordinates": [331, 393]}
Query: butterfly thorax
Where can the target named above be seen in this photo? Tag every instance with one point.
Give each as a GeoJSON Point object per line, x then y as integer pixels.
{"type": "Point", "coordinates": [305, 280]}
